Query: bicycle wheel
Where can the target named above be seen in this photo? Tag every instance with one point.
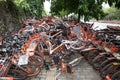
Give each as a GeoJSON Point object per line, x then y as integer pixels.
{"type": "Point", "coordinates": [97, 61]}
{"type": "Point", "coordinates": [16, 75]}
{"type": "Point", "coordinates": [92, 55]}
{"type": "Point", "coordinates": [32, 69]}
{"type": "Point", "coordinates": [116, 76]}
{"type": "Point", "coordinates": [34, 72]}
{"type": "Point", "coordinates": [74, 57]}
{"type": "Point", "coordinates": [28, 70]}
{"type": "Point", "coordinates": [106, 62]}
{"type": "Point", "coordinates": [36, 60]}
{"type": "Point", "coordinates": [109, 69]}
{"type": "Point", "coordinates": [85, 52]}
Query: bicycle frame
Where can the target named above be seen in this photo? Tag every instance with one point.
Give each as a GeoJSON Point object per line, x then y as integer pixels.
{"type": "Point", "coordinates": [5, 66]}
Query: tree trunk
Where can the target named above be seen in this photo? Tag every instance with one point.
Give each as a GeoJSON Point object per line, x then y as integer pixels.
{"type": "Point", "coordinates": [78, 16]}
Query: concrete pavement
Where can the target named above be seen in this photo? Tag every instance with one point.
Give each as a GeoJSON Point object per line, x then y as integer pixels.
{"type": "Point", "coordinates": [83, 71]}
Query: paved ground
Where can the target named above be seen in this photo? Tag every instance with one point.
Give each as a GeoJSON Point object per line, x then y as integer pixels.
{"type": "Point", "coordinates": [85, 72]}
{"type": "Point", "coordinates": [82, 72]}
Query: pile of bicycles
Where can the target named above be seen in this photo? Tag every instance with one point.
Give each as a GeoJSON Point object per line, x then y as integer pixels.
{"type": "Point", "coordinates": [102, 50]}
{"type": "Point", "coordinates": [23, 53]}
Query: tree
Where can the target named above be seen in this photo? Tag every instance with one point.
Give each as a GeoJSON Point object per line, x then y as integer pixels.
{"type": "Point", "coordinates": [25, 8]}
{"type": "Point", "coordinates": [35, 7]}
{"type": "Point", "coordinates": [14, 12]}
{"type": "Point", "coordinates": [85, 8]}
{"type": "Point", "coordinates": [63, 6]}
{"type": "Point", "coordinates": [116, 2]}
{"type": "Point", "coordinates": [112, 13]}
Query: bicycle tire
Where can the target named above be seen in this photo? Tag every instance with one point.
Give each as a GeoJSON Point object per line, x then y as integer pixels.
{"type": "Point", "coordinates": [116, 76]}
{"type": "Point", "coordinates": [37, 60]}
{"type": "Point", "coordinates": [97, 61]}
{"type": "Point", "coordinates": [91, 56]}
{"type": "Point", "coordinates": [109, 69]}
{"type": "Point", "coordinates": [106, 62]}
{"type": "Point", "coordinates": [16, 75]}
{"type": "Point", "coordinates": [29, 70]}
